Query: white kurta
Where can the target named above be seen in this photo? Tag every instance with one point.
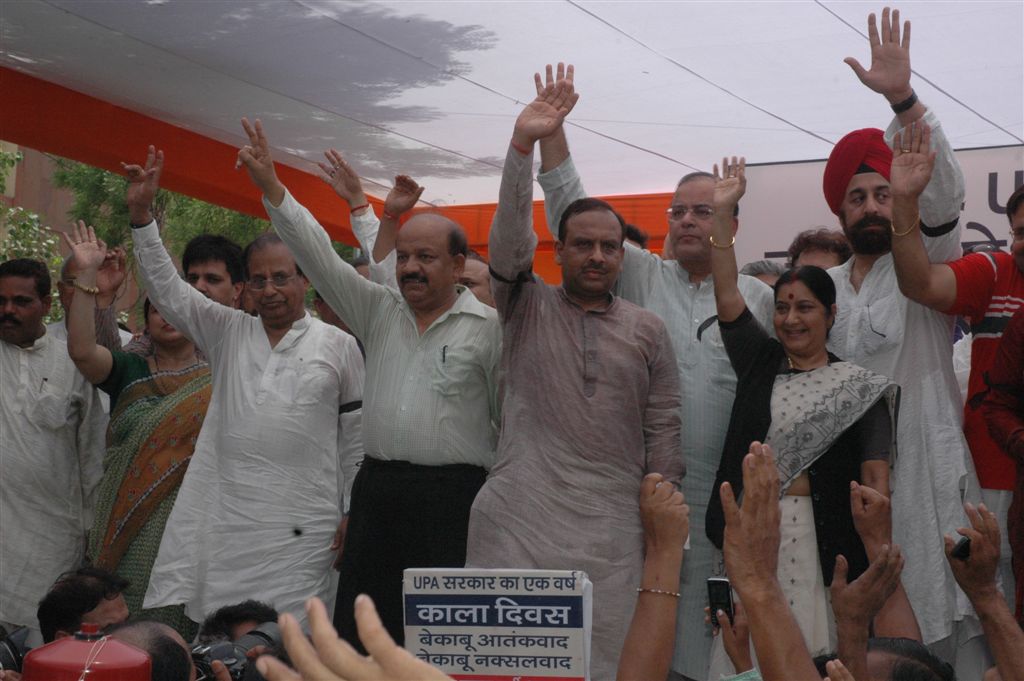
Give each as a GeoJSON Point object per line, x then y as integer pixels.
{"type": "Point", "coordinates": [260, 502]}
{"type": "Point", "coordinates": [51, 458]}
{"type": "Point", "coordinates": [880, 329]}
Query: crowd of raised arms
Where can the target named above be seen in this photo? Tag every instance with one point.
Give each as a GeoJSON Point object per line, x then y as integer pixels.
{"type": "Point", "coordinates": [805, 438]}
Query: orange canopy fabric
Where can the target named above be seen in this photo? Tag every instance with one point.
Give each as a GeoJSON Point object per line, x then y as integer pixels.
{"type": "Point", "coordinates": [54, 119]}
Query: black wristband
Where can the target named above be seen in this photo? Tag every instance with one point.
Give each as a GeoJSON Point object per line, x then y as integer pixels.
{"type": "Point", "coordinates": [135, 226]}
{"type": "Point", "coordinates": [900, 107]}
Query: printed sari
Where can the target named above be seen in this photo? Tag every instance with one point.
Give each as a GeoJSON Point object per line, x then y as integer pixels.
{"type": "Point", "coordinates": [154, 424]}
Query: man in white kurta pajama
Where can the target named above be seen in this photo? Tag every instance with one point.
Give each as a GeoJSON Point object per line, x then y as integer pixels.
{"type": "Point", "coordinates": [51, 448]}
{"type": "Point", "coordinates": [259, 505]}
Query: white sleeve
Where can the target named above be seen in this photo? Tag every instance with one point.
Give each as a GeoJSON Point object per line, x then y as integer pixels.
{"type": "Point", "coordinates": [350, 418]}
{"type": "Point", "coordinates": [561, 186]}
{"type": "Point", "coordinates": [354, 299]}
{"type": "Point", "coordinates": [941, 200]}
{"type": "Point", "coordinates": [91, 446]}
{"type": "Point", "coordinates": [365, 226]}
{"type": "Point", "coordinates": [202, 320]}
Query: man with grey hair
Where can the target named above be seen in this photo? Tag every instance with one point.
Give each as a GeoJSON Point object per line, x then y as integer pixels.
{"type": "Point", "coordinates": [767, 271]}
{"type": "Point", "coordinates": [430, 413]}
{"type": "Point", "coordinates": [260, 503]}
{"type": "Point", "coordinates": [680, 291]}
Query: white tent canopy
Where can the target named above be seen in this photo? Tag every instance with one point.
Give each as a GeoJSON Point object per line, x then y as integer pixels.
{"type": "Point", "coordinates": [432, 88]}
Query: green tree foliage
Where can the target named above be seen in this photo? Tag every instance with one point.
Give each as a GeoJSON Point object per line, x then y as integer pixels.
{"type": "Point", "coordinates": [99, 200]}
{"type": "Point", "coordinates": [23, 235]}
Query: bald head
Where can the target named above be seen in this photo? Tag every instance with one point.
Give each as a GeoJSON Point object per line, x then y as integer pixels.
{"type": "Point", "coordinates": [436, 225]}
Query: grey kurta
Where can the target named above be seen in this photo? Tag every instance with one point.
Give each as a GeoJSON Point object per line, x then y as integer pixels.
{"type": "Point", "coordinates": [591, 405]}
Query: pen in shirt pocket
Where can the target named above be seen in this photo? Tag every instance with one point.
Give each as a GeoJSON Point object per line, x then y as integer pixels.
{"type": "Point", "coordinates": [444, 354]}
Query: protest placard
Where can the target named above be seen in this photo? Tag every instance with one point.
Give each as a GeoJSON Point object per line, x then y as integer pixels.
{"type": "Point", "coordinates": [500, 625]}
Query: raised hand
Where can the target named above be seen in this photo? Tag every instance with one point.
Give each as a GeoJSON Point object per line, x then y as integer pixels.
{"type": "Point", "coordinates": [543, 116]}
{"type": "Point", "coordinates": [872, 517]}
{"type": "Point", "coordinates": [143, 183]}
{"type": "Point", "coordinates": [912, 160]}
{"type": "Point", "coordinates": [88, 252]}
{"type": "Point", "coordinates": [858, 602]}
{"type": "Point", "coordinates": [731, 183]}
{"type": "Point", "coordinates": [342, 178]}
{"type": "Point", "coordinates": [977, 574]}
{"type": "Point", "coordinates": [564, 73]}
{"type": "Point", "coordinates": [663, 513]}
{"type": "Point", "coordinates": [332, 659]}
{"type": "Point", "coordinates": [889, 74]}
{"type": "Point", "coordinates": [112, 273]}
{"type": "Point", "coordinates": [256, 158]}
{"type": "Point", "coordinates": [752, 536]}
{"type": "Point", "coordinates": [403, 196]}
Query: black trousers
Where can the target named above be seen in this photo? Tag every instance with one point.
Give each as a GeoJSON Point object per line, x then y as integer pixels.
{"type": "Point", "coordinates": [402, 516]}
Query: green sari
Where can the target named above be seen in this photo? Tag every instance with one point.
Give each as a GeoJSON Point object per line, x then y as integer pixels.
{"type": "Point", "coordinates": [155, 421]}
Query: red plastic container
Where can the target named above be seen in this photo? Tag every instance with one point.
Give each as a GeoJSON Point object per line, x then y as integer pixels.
{"type": "Point", "coordinates": [87, 656]}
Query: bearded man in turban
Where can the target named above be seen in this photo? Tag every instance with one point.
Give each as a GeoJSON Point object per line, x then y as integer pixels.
{"type": "Point", "coordinates": [877, 327]}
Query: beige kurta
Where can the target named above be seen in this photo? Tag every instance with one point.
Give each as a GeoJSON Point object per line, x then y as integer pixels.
{"type": "Point", "coordinates": [591, 405]}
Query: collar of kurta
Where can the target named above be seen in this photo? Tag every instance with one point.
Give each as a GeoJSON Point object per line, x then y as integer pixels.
{"type": "Point", "coordinates": [298, 330]}
{"type": "Point", "coordinates": [612, 302]}
{"type": "Point", "coordinates": [465, 303]}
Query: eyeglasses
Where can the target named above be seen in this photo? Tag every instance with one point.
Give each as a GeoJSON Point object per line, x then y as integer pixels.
{"type": "Point", "coordinates": [700, 211]}
{"type": "Point", "coordinates": [278, 280]}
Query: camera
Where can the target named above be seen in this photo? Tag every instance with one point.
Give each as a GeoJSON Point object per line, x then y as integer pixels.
{"type": "Point", "coordinates": [13, 648]}
{"type": "Point", "coordinates": [232, 653]}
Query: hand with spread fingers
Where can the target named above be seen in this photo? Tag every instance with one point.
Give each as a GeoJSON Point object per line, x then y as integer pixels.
{"type": "Point", "coordinates": [977, 574]}
{"type": "Point", "coordinates": [403, 196]}
{"type": "Point", "coordinates": [257, 159]}
{"type": "Point", "coordinates": [860, 600]}
{"type": "Point", "coordinates": [143, 184]}
{"type": "Point", "coordinates": [889, 74]}
{"type": "Point", "coordinates": [544, 115]}
{"type": "Point", "coordinates": [88, 252]}
{"type": "Point", "coordinates": [564, 73]}
{"type": "Point", "coordinates": [329, 658]}
{"type": "Point", "coordinates": [912, 161]}
{"type": "Point", "coordinates": [340, 176]}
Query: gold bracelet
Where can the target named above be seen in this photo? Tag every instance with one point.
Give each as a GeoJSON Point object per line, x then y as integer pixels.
{"type": "Point", "coordinates": [908, 230]}
{"type": "Point", "coordinates": [657, 591]}
{"type": "Point", "coordinates": [91, 290]}
{"type": "Point", "coordinates": [717, 245]}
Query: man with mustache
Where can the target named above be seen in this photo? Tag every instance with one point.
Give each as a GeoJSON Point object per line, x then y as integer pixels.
{"type": "Point", "coordinates": [591, 400]}
{"type": "Point", "coordinates": [261, 500]}
{"type": "Point", "coordinates": [51, 443]}
{"type": "Point", "coordinates": [880, 329]}
{"type": "Point", "coordinates": [430, 410]}
{"type": "Point", "coordinates": [679, 288]}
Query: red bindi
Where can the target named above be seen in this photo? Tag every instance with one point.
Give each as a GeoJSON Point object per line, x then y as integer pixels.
{"type": "Point", "coordinates": [791, 296]}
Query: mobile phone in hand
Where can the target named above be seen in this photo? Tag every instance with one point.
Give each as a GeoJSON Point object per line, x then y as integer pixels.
{"type": "Point", "coordinates": [962, 550]}
{"type": "Point", "coordinates": [719, 598]}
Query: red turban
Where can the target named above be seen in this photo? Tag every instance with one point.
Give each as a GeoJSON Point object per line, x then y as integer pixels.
{"type": "Point", "coordinates": [865, 147]}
